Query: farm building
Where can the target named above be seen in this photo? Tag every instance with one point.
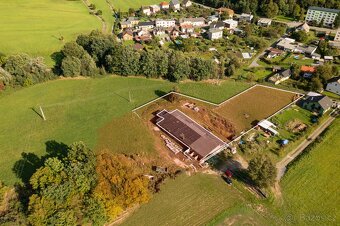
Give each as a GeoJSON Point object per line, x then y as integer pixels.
{"type": "Point", "coordinates": [268, 127]}
{"type": "Point", "coordinates": [200, 143]}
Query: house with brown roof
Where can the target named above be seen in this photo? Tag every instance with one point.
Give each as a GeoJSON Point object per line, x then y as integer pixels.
{"type": "Point", "coordinates": [307, 71]}
{"type": "Point", "coordinates": [127, 35]}
{"type": "Point", "coordinates": [164, 5]}
{"type": "Point", "coordinates": [200, 144]}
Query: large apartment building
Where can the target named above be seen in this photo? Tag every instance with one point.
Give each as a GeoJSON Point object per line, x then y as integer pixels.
{"type": "Point", "coordinates": [318, 13]}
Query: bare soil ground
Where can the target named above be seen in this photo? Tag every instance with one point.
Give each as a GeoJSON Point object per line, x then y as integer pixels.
{"type": "Point", "coordinates": [259, 102]}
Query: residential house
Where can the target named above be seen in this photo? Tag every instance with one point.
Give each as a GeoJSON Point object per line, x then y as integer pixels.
{"type": "Point", "coordinates": [228, 11]}
{"type": "Point", "coordinates": [187, 28]}
{"type": "Point", "coordinates": [337, 36]}
{"type": "Point", "coordinates": [155, 9]}
{"type": "Point", "coordinates": [333, 85]}
{"type": "Point", "coordinates": [134, 20]}
{"type": "Point", "coordinates": [158, 31]}
{"type": "Point", "coordinates": [146, 10]}
{"type": "Point", "coordinates": [173, 32]}
{"type": "Point", "coordinates": [148, 25]}
{"type": "Point", "coordinates": [175, 5]}
{"type": "Point", "coordinates": [217, 25]}
{"type": "Point", "coordinates": [317, 103]}
{"type": "Point", "coordinates": [280, 76]}
{"type": "Point", "coordinates": [319, 14]}
{"type": "Point", "coordinates": [212, 18]}
{"type": "Point", "coordinates": [186, 3]}
{"type": "Point", "coordinates": [244, 17]}
{"type": "Point", "coordinates": [303, 27]}
{"type": "Point", "coordinates": [164, 6]}
{"type": "Point", "coordinates": [165, 22]}
{"type": "Point", "coordinates": [230, 24]}
{"type": "Point", "coordinates": [215, 33]}
{"type": "Point", "coordinates": [286, 44]}
{"type": "Point", "coordinates": [127, 35]}
{"type": "Point", "coordinates": [264, 22]}
{"type": "Point", "coordinates": [196, 22]}
{"type": "Point", "coordinates": [273, 52]}
{"type": "Point", "coordinates": [308, 50]}
{"type": "Point", "coordinates": [307, 71]}
{"type": "Point", "coordinates": [125, 24]}
{"type": "Point", "coordinates": [328, 58]}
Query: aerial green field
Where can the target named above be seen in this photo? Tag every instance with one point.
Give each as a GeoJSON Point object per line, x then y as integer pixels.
{"type": "Point", "coordinates": [91, 110]}
{"type": "Point", "coordinates": [124, 5]}
{"type": "Point", "coordinates": [36, 27]}
{"type": "Point", "coordinates": [311, 186]}
{"type": "Point", "coordinates": [196, 200]}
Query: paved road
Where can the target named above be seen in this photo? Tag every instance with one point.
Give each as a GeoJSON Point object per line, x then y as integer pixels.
{"type": "Point", "coordinates": [281, 166]}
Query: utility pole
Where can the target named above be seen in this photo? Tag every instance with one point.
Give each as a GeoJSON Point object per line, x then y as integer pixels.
{"type": "Point", "coordinates": [42, 113]}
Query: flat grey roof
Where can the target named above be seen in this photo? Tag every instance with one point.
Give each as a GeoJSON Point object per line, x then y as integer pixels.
{"type": "Point", "coordinates": [324, 9]}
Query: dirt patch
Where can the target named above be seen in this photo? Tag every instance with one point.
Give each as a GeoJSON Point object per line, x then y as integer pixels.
{"type": "Point", "coordinates": [259, 102]}
{"type": "Point", "coordinates": [296, 126]}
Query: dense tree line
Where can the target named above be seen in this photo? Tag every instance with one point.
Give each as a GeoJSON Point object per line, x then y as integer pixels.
{"type": "Point", "coordinates": [76, 187]}
{"type": "Point", "coordinates": [271, 8]}
{"type": "Point", "coordinates": [97, 50]}
{"type": "Point", "coordinates": [23, 70]}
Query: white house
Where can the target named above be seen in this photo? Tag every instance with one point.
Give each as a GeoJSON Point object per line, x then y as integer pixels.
{"type": "Point", "coordinates": [230, 24]}
{"type": "Point", "coordinates": [264, 22]}
{"type": "Point", "coordinates": [155, 9]}
{"type": "Point", "coordinates": [165, 22]}
{"type": "Point", "coordinates": [244, 17]}
{"type": "Point", "coordinates": [175, 5]}
{"type": "Point", "coordinates": [318, 14]}
{"type": "Point", "coordinates": [337, 36]}
{"type": "Point", "coordinates": [146, 11]}
{"type": "Point", "coordinates": [215, 33]}
{"type": "Point", "coordinates": [333, 85]}
{"type": "Point", "coordinates": [268, 127]}
{"type": "Point", "coordinates": [186, 3]}
{"type": "Point", "coordinates": [164, 5]}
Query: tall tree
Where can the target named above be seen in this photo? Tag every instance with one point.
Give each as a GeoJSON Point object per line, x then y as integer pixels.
{"type": "Point", "coordinates": [262, 171]}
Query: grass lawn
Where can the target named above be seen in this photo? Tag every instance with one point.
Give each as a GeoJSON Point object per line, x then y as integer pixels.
{"type": "Point", "coordinates": [91, 110]}
{"type": "Point", "coordinates": [311, 186]}
{"type": "Point", "coordinates": [124, 5]}
{"type": "Point", "coordinates": [195, 200]}
{"type": "Point", "coordinates": [35, 26]}
{"type": "Point", "coordinates": [107, 13]}
{"type": "Point", "coordinates": [284, 18]}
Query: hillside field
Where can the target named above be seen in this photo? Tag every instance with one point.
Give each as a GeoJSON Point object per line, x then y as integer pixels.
{"type": "Point", "coordinates": [311, 186]}
{"type": "Point", "coordinates": [35, 26]}
{"type": "Point", "coordinates": [199, 199]}
{"type": "Point", "coordinates": [124, 5]}
{"type": "Point", "coordinates": [89, 110]}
